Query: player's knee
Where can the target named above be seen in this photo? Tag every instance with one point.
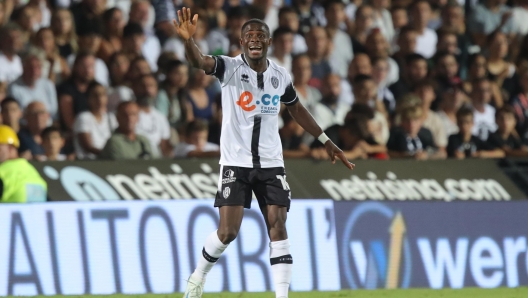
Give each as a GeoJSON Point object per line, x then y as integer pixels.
{"type": "Point", "coordinates": [278, 233]}
{"type": "Point", "coordinates": [227, 235]}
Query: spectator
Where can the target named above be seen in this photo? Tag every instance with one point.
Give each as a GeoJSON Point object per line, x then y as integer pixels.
{"type": "Point", "coordinates": [88, 13]}
{"type": "Point", "coordinates": [282, 48]}
{"type": "Point", "coordinates": [94, 127]}
{"type": "Point", "coordinates": [342, 52]}
{"type": "Point", "coordinates": [453, 19]}
{"type": "Point", "coordinates": [133, 40]}
{"type": "Point", "coordinates": [288, 18]}
{"type": "Point", "coordinates": [138, 68]}
{"type": "Point", "coordinates": [483, 113]}
{"type": "Point", "coordinates": [172, 99]}
{"type": "Point", "coordinates": [302, 72]}
{"type": "Point", "coordinates": [11, 113]}
{"type": "Point", "coordinates": [90, 41]}
{"type": "Point", "coordinates": [410, 139]}
{"type": "Point", "coordinates": [360, 65]}
{"type": "Point", "coordinates": [119, 91]}
{"type": "Point", "coordinates": [24, 17]}
{"type": "Point", "coordinates": [37, 118]}
{"type": "Point", "coordinates": [501, 71]}
{"type": "Point", "coordinates": [364, 22]}
{"type": "Point", "coordinates": [365, 92]}
{"type": "Point", "coordinates": [378, 47]}
{"type": "Point", "coordinates": [292, 135]}
{"type": "Point", "coordinates": [124, 142]}
{"type": "Point", "coordinates": [63, 29]}
{"type": "Point", "coordinates": [506, 138]}
{"type": "Point", "coordinates": [520, 105]}
{"type": "Point", "coordinates": [329, 111]}
{"type": "Point", "coordinates": [196, 144]}
{"type": "Point", "coordinates": [52, 143]}
{"type": "Point", "coordinates": [488, 17]}
{"type": "Point", "coordinates": [477, 70]}
{"type": "Point", "coordinates": [152, 124]}
{"type": "Point", "coordinates": [213, 14]}
{"type": "Point", "coordinates": [31, 87]}
{"type": "Point", "coordinates": [448, 43]}
{"type": "Point", "coordinates": [464, 144]}
{"type": "Point", "coordinates": [114, 24]}
{"type": "Point", "coordinates": [318, 47]}
{"type": "Point", "coordinates": [415, 71]}
{"type": "Point", "coordinates": [199, 96]}
{"type": "Point", "coordinates": [383, 18]}
{"type": "Point", "coordinates": [11, 44]}
{"type": "Point", "coordinates": [73, 98]}
{"type": "Point", "coordinates": [222, 42]}
{"type": "Point", "coordinates": [431, 119]}
{"type": "Point", "coordinates": [310, 15]}
{"type": "Point", "coordinates": [427, 38]}
{"type": "Point", "coordinates": [271, 13]}
{"type": "Point", "coordinates": [450, 102]}
{"type": "Point", "coordinates": [55, 67]}
{"type": "Point", "coordinates": [151, 47]}
{"type": "Point", "coordinates": [406, 43]}
{"type": "Point", "coordinates": [446, 72]}
{"type": "Point", "coordinates": [400, 18]}
{"type": "Point", "coordinates": [380, 71]}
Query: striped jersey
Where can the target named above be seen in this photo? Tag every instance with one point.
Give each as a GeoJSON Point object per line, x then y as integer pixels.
{"type": "Point", "coordinates": [250, 112]}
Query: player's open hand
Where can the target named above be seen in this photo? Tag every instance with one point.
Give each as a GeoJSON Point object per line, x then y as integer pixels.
{"type": "Point", "coordinates": [336, 153]}
{"type": "Point", "coordinates": [185, 27]}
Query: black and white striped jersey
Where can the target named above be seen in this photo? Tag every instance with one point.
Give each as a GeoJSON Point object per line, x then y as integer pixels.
{"type": "Point", "coordinates": [250, 112]}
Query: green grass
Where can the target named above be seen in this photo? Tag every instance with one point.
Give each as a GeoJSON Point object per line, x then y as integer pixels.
{"type": "Point", "coordinates": [413, 293]}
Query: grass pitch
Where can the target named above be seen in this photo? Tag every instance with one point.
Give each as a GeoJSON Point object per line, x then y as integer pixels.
{"type": "Point", "coordinates": [411, 293]}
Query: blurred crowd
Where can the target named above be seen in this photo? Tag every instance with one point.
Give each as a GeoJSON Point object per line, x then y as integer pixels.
{"type": "Point", "coordinates": [424, 79]}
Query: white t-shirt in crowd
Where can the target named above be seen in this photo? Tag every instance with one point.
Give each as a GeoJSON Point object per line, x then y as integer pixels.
{"type": "Point", "coordinates": [151, 51]}
{"type": "Point", "coordinates": [519, 17]}
{"type": "Point", "coordinates": [450, 127]}
{"type": "Point", "coordinates": [299, 44]}
{"type": "Point", "coordinates": [11, 69]}
{"type": "Point", "coordinates": [183, 149]}
{"type": "Point", "coordinates": [272, 19]}
{"type": "Point", "coordinates": [287, 62]}
{"type": "Point", "coordinates": [347, 96]}
{"type": "Point", "coordinates": [342, 54]}
{"type": "Point", "coordinates": [326, 117]}
{"type": "Point", "coordinates": [155, 127]}
{"type": "Point", "coordinates": [484, 123]}
{"type": "Point", "coordinates": [426, 43]}
{"type": "Point", "coordinates": [102, 76]}
{"type": "Point", "coordinates": [250, 106]}
{"type": "Point", "coordinates": [99, 132]}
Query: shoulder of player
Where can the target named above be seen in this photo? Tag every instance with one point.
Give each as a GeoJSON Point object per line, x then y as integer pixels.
{"type": "Point", "coordinates": [278, 69]}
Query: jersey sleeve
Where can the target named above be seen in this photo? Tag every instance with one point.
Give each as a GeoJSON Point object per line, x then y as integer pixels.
{"type": "Point", "coordinates": [290, 95]}
{"type": "Point", "coordinates": [223, 65]}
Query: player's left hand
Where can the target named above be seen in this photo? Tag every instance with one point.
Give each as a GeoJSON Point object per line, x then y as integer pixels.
{"type": "Point", "coordinates": [335, 153]}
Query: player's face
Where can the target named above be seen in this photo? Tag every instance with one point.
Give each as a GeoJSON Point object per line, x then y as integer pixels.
{"type": "Point", "coordinates": [255, 41]}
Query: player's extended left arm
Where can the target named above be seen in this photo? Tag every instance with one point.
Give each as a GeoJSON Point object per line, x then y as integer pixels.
{"type": "Point", "coordinates": [307, 122]}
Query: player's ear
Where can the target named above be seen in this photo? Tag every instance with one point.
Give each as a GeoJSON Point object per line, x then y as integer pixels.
{"type": "Point", "coordinates": [269, 41]}
{"type": "Point", "coordinates": [241, 42]}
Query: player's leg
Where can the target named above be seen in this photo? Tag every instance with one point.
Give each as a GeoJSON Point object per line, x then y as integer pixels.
{"type": "Point", "coordinates": [273, 194]}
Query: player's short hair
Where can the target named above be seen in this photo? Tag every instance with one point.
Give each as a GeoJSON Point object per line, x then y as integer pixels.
{"type": "Point", "coordinates": [282, 31]}
{"type": "Point", "coordinates": [328, 3]}
{"type": "Point", "coordinates": [411, 58]}
{"type": "Point", "coordinates": [132, 29]}
{"type": "Point", "coordinates": [197, 125]}
{"type": "Point", "coordinates": [7, 101]}
{"type": "Point", "coordinates": [505, 110]}
{"type": "Point", "coordinates": [256, 21]}
{"type": "Point", "coordinates": [286, 9]}
{"type": "Point", "coordinates": [411, 113]}
{"type": "Point", "coordinates": [464, 112]}
{"type": "Point", "coordinates": [49, 130]}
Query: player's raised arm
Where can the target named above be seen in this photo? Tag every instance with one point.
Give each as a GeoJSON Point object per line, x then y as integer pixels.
{"type": "Point", "coordinates": [186, 27]}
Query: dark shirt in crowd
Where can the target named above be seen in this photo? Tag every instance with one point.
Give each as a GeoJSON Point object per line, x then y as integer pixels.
{"type": "Point", "coordinates": [28, 143]}
{"type": "Point", "coordinates": [80, 99]}
{"type": "Point", "coordinates": [319, 72]}
{"type": "Point", "coordinates": [495, 141]}
{"type": "Point", "coordinates": [456, 143]}
{"type": "Point", "coordinates": [400, 88]}
{"type": "Point", "coordinates": [400, 141]}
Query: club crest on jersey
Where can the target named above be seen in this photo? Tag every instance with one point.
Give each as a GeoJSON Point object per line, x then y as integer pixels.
{"type": "Point", "coordinates": [268, 104]}
{"type": "Point", "coordinates": [226, 192]}
{"type": "Point", "coordinates": [229, 177]}
{"type": "Point", "coordinates": [275, 82]}
{"type": "Point", "coordinates": [245, 78]}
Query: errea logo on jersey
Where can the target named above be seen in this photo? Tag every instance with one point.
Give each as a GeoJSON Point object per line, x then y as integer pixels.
{"type": "Point", "coordinates": [268, 103]}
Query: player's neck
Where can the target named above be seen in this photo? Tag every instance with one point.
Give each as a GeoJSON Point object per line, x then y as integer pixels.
{"type": "Point", "coordinates": [259, 65]}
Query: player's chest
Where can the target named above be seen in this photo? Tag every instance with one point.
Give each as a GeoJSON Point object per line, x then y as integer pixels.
{"type": "Point", "coordinates": [258, 94]}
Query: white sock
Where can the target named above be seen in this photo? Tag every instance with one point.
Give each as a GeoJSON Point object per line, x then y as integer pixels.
{"type": "Point", "coordinates": [212, 250]}
{"type": "Point", "coordinates": [281, 266]}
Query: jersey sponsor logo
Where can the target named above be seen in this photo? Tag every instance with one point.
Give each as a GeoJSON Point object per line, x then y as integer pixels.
{"type": "Point", "coordinates": [229, 177]}
{"type": "Point", "coordinates": [268, 103]}
{"type": "Point", "coordinates": [275, 82]}
{"type": "Point", "coordinates": [245, 78]}
{"type": "Point", "coordinates": [226, 192]}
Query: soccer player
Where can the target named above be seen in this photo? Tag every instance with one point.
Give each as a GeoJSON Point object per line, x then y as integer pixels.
{"type": "Point", "coordinates": [250, 147]}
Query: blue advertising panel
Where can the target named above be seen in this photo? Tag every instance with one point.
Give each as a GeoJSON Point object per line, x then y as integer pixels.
{"type": "Point", "coordinates": [431, 245]}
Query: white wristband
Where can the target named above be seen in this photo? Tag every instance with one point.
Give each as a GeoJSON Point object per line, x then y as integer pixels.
{"type": "Point", "coordinates": [323, 138]}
